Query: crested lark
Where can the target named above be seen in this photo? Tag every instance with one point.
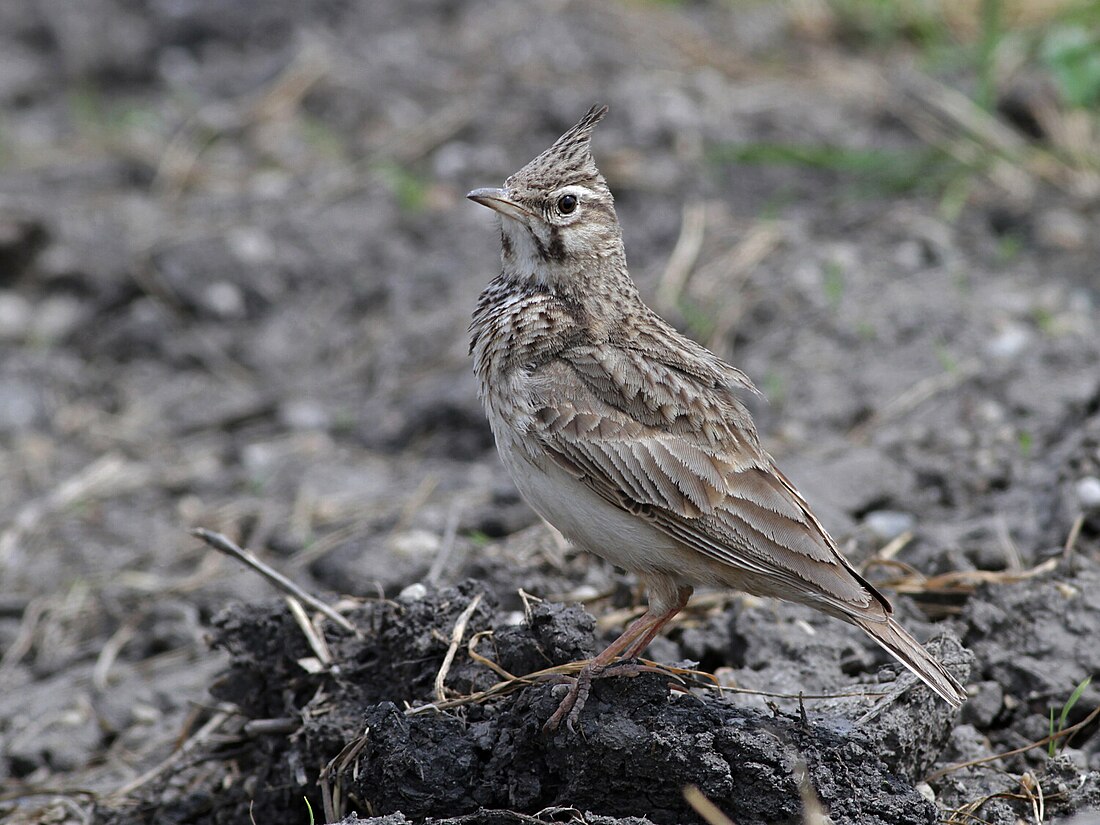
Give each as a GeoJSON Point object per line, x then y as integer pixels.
{"type": "Point", "coordinates": [630, 438]}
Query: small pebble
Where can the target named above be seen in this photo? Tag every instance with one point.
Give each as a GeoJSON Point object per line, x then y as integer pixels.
{"type": "Point", "coordinates": [224, 300]}
{"type": "Point", "coordinates": [146, 714]}
{"type": "Point", "coordinates": [260, 458]}
{"type": "Point", "coordinates": [58, 260]}
{"type": "Point", "coordinates": [415, 543]}
{"type": "Point", "coordinates": [985, 704]}
{"type": "Point", "coordinates": [251, 245]}
{"type": "Point", "coordinates": [20, 406]}
{"type": "Point", "coordinates": [842, 254]}
{"type": "Point", "coordinates": [989, 411]}
{"type": "Point", "coordinates": [413, 593]}
{"type": "Point", "coordinates": [270, 184]}
{"type": "Point", "coordinates": [15, 315]}
{"type": "Point", "coordinates": [1088, 492]}
{"type": "Point", "coordinates": [56, 318]}
{"type": "Point", "coordinates": [1009, 342]}
{"type": "Point", "coordinates": [909, 255]}
{"type": "Point", "coordinates": [303, 414]}
{"type": "Point", "coordinates": [988, 556]}
{"type": "Point", "coordinates": [583, 593]}
{"type": "Point", "coordinates": [887, 525]}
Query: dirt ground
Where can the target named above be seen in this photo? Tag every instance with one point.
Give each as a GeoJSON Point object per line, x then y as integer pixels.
{"type": "Point", "coordinates": [236, 269]}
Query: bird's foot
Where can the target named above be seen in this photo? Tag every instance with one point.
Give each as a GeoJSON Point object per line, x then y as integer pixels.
{"type": "Point", "coordinates": [580, 686]}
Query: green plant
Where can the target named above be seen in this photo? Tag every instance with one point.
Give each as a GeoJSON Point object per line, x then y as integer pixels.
{"type": "Point", "coordinates": [1044, 320]}
{"type": "Point", "coordinates": [479, 538]}
{"type": "Point", "coordinates": [410, 189]}
{"type": "Point", "coordinates": [887, 171]}
{"type": "Point", "coordinates": [1009, 247]}
{"type": "Point", "coordinates": [948, 361]}
{"type": "Point", "coordinates": [833, 284]}
{"type": "Point", "coordinates": [321, 136]}
{"type": "Point", "coordinates": [774, 387]}
{"type": "Point", "coordinates": [1066, 708]}
{"type": "Point", "coordinates": [1024, 442]}
{"type": "Point", "coordinates": [881, 23]}
{"type": "Point", "coordinates": [1071, 53]}
{"type": "Point", "coordinates": [990, 38]}
{"type": "Point", "coordinates": [700, 322]}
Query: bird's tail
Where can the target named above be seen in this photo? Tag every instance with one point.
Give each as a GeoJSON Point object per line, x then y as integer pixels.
{"type": "Point", "coordinates": [907, 650]}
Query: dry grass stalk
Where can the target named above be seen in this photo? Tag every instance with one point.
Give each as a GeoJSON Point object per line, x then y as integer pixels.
{"type": "Point", "coordinates": [456, 639]}
{"type": "Point", "coordinates": [707, 810]}
{"type": "Point", "coordinates": [758, 243]}
{"type": "Point", "coordinates": [471, 651]}
{"type": "Point", "coordinates": [949, 120]}
{"type": "Point", "coordinates": [1065, 733]}
{"type": "Point", "coordinates": [177, 168]}
{"type": "Point", "coordinates": [693, 222]}
{"type": "Point", "coordinates": [965, 581]}
{"type": "Point", "coordinates": [109, 652]}
{"type": "Point", "coordinates": [202, 735]}
{"type": "Point", "coordinates": [313, 636]}
{"type": "Point", "coordinates": [332, 792]}
{"type": "Point", "coordinates": [920, 392]}
{"type": "Point", "coordinates": [1071, 539]}
{"type": "Point", "coordinates": [813, 812]}
{"type": "Point", "coordinates": [446, 546]}
{"type": "Point", "coordinates": [107, 476]}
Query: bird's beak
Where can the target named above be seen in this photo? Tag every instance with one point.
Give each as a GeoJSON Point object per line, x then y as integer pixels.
{"type": "Point", "coordinates": [499, 201]}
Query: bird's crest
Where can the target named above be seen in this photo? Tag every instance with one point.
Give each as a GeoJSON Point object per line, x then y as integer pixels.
{"type": "Point", "coordinates": [569, 160]}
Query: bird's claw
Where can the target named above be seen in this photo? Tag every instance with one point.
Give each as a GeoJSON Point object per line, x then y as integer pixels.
{"type": "Point", "coordinates": [580, 686]}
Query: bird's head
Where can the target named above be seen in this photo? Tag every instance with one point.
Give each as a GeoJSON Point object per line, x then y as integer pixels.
{"type": "Point", "coordinates": [558, 226]}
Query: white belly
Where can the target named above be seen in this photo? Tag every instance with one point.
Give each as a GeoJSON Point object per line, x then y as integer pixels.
{"type": "Point", "coordinates": [587, 520]}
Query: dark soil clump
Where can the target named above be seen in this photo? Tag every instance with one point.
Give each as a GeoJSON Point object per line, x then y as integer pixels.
{"type": "Point", "coordinates": [636, 747]}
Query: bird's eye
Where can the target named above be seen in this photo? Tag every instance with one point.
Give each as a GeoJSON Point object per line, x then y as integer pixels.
{"type": "Point", "coordinates": [567, 203]}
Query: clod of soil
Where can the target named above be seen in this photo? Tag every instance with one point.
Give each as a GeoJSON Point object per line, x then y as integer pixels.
{"type": "Point", "coordinates": [635, 749]}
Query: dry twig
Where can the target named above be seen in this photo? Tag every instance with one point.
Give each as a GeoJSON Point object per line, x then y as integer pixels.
{"type": "Point", "coordinates": [225, 545]}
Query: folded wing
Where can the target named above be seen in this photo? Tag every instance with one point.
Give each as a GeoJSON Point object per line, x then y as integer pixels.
{"type": "Point", "coordinates": [679, 450]}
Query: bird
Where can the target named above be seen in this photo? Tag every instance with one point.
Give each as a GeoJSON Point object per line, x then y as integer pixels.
{"type": "Point", "coordinates": [632, 439]}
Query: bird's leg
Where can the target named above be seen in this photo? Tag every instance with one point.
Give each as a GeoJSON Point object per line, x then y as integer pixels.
{"type": "Point", "coordinates": [629, 645]}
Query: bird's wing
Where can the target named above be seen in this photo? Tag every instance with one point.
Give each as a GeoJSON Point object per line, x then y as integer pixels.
{"type": "Point", "coordinates": [679, 450]}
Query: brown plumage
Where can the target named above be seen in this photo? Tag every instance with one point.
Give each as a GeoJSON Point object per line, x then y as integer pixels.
{"type": "Point", "coordinates": [630, 438]}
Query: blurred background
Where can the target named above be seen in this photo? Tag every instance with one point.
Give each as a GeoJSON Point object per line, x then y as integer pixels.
{"type": "Point", "coordinates": [236, 268]}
